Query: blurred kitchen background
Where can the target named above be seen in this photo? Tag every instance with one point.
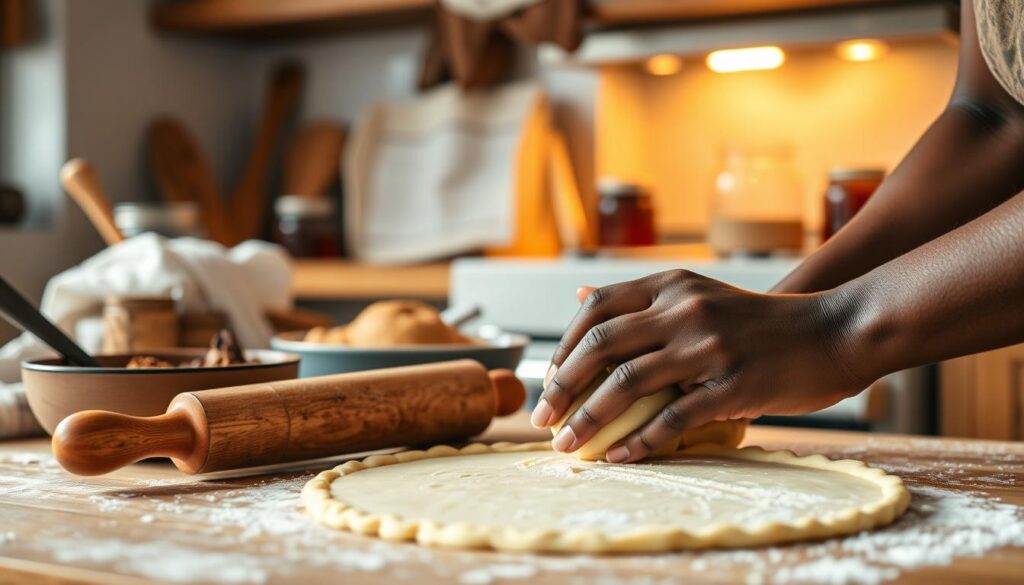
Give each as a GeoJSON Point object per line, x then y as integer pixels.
{"type": "Point", "coordinates": [411, 149]}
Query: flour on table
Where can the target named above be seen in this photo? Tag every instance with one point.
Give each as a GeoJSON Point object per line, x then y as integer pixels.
{"type": "Point", "coordinates": [276, 536]}
{"type": "Point", "coordinates": [163, 561]}
{"type": "Point", "coordinates": [940, 526]}
{"type": "Point", "coordinates": [487, 575]}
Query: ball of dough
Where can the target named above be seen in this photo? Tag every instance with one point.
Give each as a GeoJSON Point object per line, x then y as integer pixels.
{"type": "Point", "coordinates": [316, 335]}
{"type": "Point", "coordinates": [397, 323]}
{"type": "Point", "coordinates": [728, 433]}
{"type": "Point", "coordinates": [327, 335]}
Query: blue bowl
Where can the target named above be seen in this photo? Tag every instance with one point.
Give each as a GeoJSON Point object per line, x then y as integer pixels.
{"type": "Point", "coordinates": [503, 350]}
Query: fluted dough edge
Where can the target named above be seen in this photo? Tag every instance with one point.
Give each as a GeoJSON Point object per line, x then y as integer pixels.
{"type": "Point", "coordinates": [336, 514]}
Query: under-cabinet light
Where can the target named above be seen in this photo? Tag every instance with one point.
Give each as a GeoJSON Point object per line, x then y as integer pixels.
{"type": "Point", "coordinates": [861, 50]}
{"type": "Point", "coordinates": [663, 65]}
{"type": "Point", "coordinates": [746, 59]}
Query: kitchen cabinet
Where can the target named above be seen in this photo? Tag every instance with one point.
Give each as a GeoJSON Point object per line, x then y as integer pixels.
{"type": "Point", "coordinates": [982, 395]}
{"type": "Point", "coordinates": [274, 18]}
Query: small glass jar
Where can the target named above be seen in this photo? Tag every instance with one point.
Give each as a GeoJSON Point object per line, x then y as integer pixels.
{"type": "Point", "coordinates": [848, 190]}
{"type": "Point", "coordinates": [12, 205]}
{"type": "Point", "coordinates": [757, 207]}
{"type": "Point", "coordinates": [306, 226]}
{"type": "Point", "coordinates": [172, 220]}
{"type": "Point", "coordinates": [626, 214]}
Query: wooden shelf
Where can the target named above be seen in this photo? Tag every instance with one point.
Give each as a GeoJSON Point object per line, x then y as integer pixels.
{"type": "Point", "coordinates": [283, 17]}
{"type": "Point", "coordinates": [623, 12]}
{"type": "Point", "coordinates": [329, 280]}
{"type": "Point", "coordinates": [273, 18]}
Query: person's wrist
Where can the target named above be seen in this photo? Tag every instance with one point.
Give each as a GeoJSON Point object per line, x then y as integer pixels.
{"type": "Point", "coordinates": [849, 326]}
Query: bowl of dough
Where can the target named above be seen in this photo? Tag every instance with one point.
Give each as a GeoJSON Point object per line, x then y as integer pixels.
{"type": "Point", "coordinates": [144, 383]}
{"type": "Point", "coordinates": [396, 333]}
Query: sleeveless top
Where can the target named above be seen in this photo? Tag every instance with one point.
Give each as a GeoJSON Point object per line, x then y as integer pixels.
{"type": "Point", "coordinates": [1001, 36]}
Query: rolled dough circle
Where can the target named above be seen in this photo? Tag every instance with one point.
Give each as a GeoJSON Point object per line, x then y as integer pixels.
{"type": "Point", "coordinates": [727, 433]}
{"type": "Point", "coordinates": [525, 497]}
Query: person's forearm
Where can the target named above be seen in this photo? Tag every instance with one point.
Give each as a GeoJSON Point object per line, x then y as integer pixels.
{"type": "Point", "coordinates": [968, 162]}
{"type": "Point", "coordinates": [961, 168]}
{"type": "Point", "coordinates": [959, 294]}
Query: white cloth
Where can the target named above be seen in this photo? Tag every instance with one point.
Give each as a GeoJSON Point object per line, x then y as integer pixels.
{"type": "Point", "coordinates": [486, 9]}
{"type": "Point", "coordinates": [435, 176]}
{"type": "Point", "coordinates": [242, 282]}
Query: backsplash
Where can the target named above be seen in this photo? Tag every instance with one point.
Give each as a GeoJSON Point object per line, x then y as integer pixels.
{"type": "Point", "coordinates": [669, 131]}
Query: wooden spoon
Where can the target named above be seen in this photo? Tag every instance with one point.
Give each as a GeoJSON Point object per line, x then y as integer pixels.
{"type": "Point", "coordinates": [249, 198]}
{"type": "Point", "coordinates": [83, 185]}
{"type": "Point", "coordinates": [313, 159]}
{"type": "Point", "coordinates": [184, 174]}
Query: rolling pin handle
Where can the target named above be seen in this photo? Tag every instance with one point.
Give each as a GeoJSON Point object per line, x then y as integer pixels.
{"type": "Point", "coordinates": [94, 442]}
{"type": "Point", "coordinates": [510, 392]}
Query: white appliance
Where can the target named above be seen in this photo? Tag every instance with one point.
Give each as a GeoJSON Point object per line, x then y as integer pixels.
{"type": "Point", "coordinates": [537, 297]}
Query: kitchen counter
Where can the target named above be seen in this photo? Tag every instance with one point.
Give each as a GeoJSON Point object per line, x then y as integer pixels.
{"type": "Point", "coordinates": [149, 522]}
{"type": "Point", "coordinates": [341, 280]}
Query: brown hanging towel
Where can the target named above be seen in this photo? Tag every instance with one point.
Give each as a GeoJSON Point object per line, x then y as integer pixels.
{"type": "Point", "coordinates": [472, 42]}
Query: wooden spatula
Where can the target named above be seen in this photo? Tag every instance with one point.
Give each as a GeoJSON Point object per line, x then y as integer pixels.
{"type": "Point", "coordinates": [83, 185]}
{"type": "Point", "coordinates": [184, 174]}
{"type": "Point", "coordinates": [249, 198]}
{"type": "Point", "coordinates": [313, 159]}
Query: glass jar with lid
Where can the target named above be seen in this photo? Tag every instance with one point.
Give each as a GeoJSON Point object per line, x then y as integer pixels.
{"type": "Point", "coordinates": [306, 226]}
{"type": "Point", "coordinates": [626, 214]}
{"type": "Point", "coordinates": [848, 190]}
{"type": "Point", "coordinates": [757, 207]}
{"type": "Point", "coordinates": [175, 219]}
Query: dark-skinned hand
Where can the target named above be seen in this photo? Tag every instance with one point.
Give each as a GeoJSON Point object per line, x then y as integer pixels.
{"type": "Point", "coordinates": [733, 354]}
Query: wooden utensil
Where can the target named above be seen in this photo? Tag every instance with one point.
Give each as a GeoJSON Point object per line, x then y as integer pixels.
{"type": "Point", "coordinates": [183, 173]}
{"type": "Point", "coordinates": [83, 185]}
{"type": "Point", "coordinates": [249, 198]}
{"type": "Point", "coordinates": [313, 159]}
{"type": "Point", "coordinates": [15, 23]}
{"type": "Point", "coordinates": [22, 314]}
{"type": "Point", "coordinates": [276, 422]}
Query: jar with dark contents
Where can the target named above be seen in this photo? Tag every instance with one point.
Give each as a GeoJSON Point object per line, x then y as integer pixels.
{"type": "Point", "coordinates": [306, 226]}
{"type": "Point", "coordinates": [12, 205]}
{"type": "Point", "coordinates": [626, 214]}
{"type": "Point", "coordinates": [848, 190]}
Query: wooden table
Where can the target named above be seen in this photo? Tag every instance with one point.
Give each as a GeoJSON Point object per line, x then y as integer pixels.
{"type": "Point", "coordinates": [149, 522]}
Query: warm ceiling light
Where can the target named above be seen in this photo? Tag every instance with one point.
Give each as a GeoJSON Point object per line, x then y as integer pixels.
{"type": "Point", "coordinates": [748, 59]}
{"type": "Point", "coordinates": [663, 65]}
{"type": "Point", "coordinates": [861, 50]}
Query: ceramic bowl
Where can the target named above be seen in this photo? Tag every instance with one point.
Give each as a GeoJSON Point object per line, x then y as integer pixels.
{"type": "Point", "coordinates": [499, 350]}
{"type": "Point", "coordinates": [56, 390]}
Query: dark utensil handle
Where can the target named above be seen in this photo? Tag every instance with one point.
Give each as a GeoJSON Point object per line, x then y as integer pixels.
{"type": "Point", "coordinates": [22, 314]}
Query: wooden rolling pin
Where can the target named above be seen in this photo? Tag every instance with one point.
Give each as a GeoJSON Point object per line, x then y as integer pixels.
{"type": "Point", "coordinates": [294, 420]}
